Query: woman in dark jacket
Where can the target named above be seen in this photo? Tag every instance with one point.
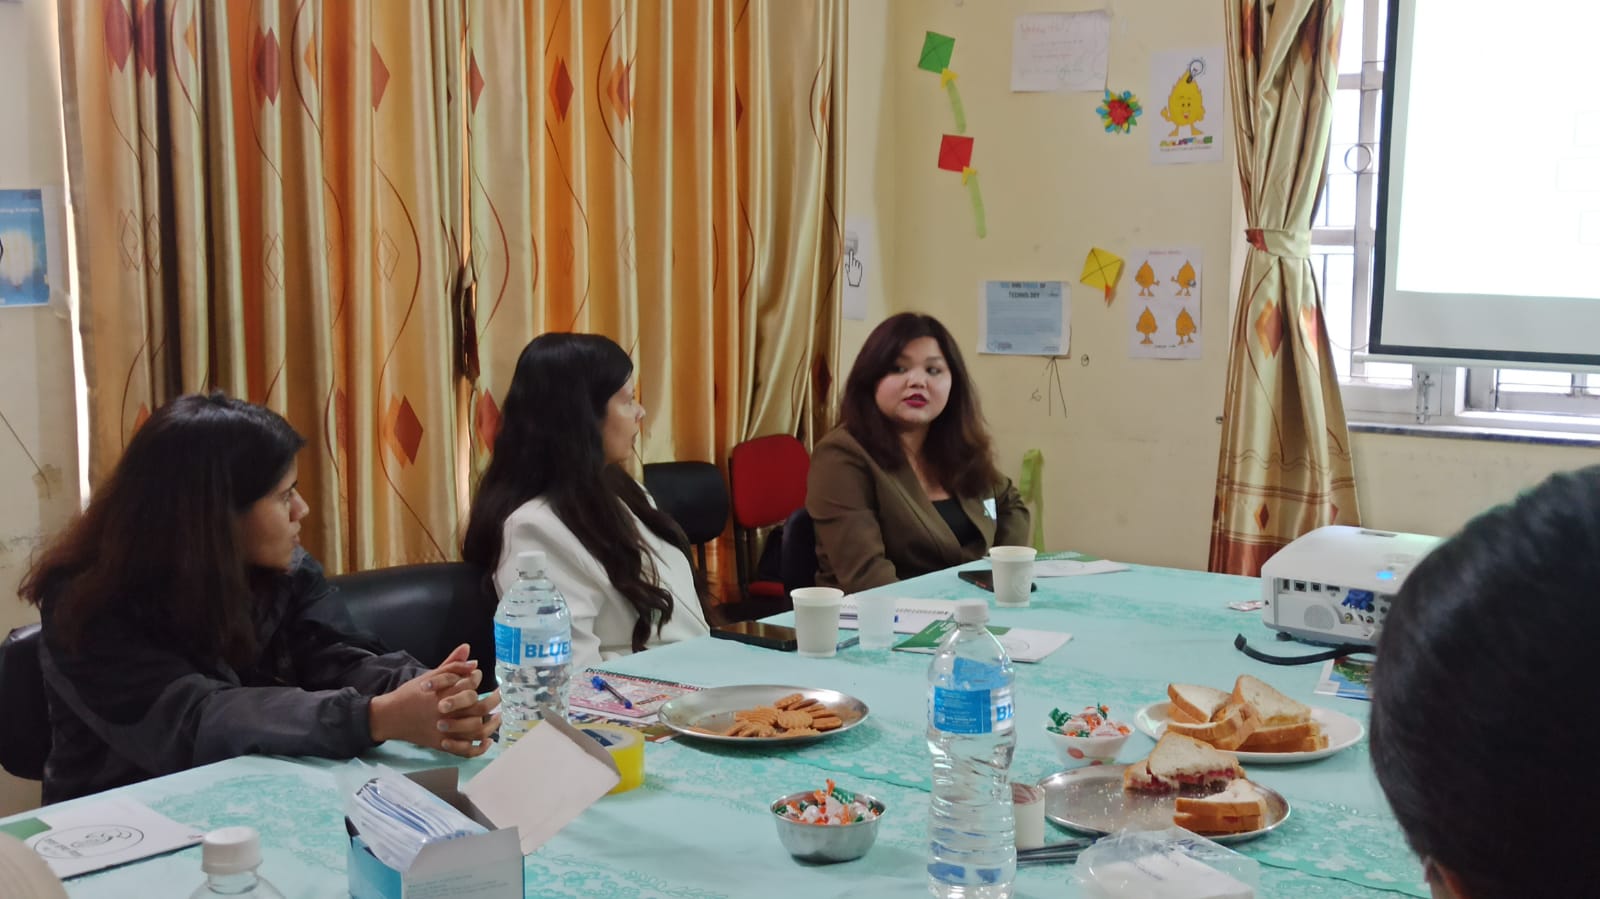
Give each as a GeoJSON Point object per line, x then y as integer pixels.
{"type": "Point", "coordinates": [907, 483]}
{"type": "Point", "coordinates": [183, 624]}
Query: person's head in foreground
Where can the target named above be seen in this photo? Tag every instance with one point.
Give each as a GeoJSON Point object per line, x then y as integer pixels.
{"type": "Point", "coordinates": [1485, 699]}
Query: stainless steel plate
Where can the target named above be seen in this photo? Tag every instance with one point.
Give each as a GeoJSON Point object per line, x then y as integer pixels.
{"type": "Point", "coordinates": [1092, 800]}
{"type": "Point", "coordinates": [705, 714]}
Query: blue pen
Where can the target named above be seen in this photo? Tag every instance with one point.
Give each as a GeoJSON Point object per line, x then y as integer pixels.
{"type": "Point", "coordinates": [600, 684]}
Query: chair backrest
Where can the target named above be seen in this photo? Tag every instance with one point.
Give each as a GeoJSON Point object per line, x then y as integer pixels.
{"type": "Point", "coordinates": [799, 564]}
{"type": "Point", "coordinates": [693, 493]}
{"type": "Point", "coordinates": [768, 479]}
{"type": "Point", "coordinates": [426, 610]}
{"type": "Point", "coordinates": [25, 739]}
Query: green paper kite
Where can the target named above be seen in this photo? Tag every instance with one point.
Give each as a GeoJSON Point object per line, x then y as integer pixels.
{"type": "Point", "coordinates": [936, 51]}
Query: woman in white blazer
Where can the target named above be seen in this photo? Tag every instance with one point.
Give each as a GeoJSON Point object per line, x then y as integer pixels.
{"type": "Point", "coordinates": [555, 484]}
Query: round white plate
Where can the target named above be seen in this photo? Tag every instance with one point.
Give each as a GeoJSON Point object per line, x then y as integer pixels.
{"type": "Point", "coordinates": [1343, 732]}
{"type": "Point", "coordinates": [1092, 800]}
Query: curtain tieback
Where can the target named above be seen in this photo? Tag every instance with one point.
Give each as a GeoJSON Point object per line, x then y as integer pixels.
{"type": "Point", "coordinates": [1280, 242]}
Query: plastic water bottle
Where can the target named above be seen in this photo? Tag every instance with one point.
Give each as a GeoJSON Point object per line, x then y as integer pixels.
{"type": "Point", "coordinates": [972, 735]}
{"type": "Point", "coordinates": [532, 649]}
{"type": "Point", "coordinates": [229, 857]}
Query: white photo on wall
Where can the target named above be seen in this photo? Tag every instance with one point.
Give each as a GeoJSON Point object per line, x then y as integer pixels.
{"type": "Point", "coordinates": [860, 266]}
{"type": "Point", "coordinates": [1186, 88]}
{"type": "Point", "coordinates": [1164, 311]}
{"type": "Point", "coordinates": [24, 249]}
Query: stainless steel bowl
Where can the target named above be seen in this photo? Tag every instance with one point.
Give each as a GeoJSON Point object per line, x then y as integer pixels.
{"type": "Point", "coordinates": [826, 843]}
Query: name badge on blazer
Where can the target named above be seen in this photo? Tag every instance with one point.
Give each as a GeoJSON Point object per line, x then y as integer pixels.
{"type": "Point", "coordinates": [988, 508]}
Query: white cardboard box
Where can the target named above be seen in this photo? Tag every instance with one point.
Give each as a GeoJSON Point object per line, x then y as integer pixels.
{"type": "Point", "coordinates": [534, 788]}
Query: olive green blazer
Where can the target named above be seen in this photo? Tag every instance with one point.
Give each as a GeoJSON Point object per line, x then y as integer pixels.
{"type": "Point", "coordinates": [876, 527]}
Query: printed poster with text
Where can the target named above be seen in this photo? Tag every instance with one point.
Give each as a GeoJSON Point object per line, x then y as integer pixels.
{"type": "Point", "coordinates": [1186, 86]}
{"type": "Point", "coordinates": [1164, 314]}
{"type": "Point", "coordinates": [1025, 318]}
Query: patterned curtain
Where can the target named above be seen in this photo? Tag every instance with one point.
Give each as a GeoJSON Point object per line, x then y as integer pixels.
{"type": "Point", "coordinates": [358, 211]}
{"type": "Point", "coordinates": [268, 201]}
{"type": "Point", "coordinates": [1285, 463]}
{"type": "Point", "coordinates": [670, 175]}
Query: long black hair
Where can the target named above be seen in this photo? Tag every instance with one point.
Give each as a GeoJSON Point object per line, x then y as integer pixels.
{"type": "Point", "coordinates": [1485, 697]}
{"type": "Point", "coordinates": [957, 450]}
{"type": "Point", "coordinates": [550, 446]}
{"type": "Point", "coordinates": [161, 539]}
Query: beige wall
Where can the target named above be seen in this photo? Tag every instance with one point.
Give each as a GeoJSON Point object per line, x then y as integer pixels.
{"type": "Point", "coordinates": [1130, 468]}
{"type": "Point", "coordinates": [35, 343]}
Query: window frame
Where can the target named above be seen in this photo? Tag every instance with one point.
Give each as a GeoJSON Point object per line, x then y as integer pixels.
{"type": "Point", "coordinates": [1440, 395]}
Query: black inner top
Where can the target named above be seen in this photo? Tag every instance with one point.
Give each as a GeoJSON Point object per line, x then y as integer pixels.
{"type": "Point", "coordinates": [956, 519]}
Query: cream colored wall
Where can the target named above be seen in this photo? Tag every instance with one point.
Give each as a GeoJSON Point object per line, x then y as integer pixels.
{"type": "Point", "coordinates": [870, 80]}
{"type": "Point", "coordinates": [1130, 469]}
{"type": "Point", "coordinates": [35, 343]}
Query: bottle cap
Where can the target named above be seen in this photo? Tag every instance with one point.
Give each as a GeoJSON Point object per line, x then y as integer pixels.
{"type": "Point", "coordinates": [230, 850]}
{"type": "Point", "coordinates": [530, 562]}
{"type": "Point", "coordinates": [971, 611]}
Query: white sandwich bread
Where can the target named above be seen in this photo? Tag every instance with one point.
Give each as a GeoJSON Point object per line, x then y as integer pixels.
{"type": "Point", "coordinates": [1237, 809]}
{"type": "Point", "coordinates": [1194, 704]}
{"type": "Point", "coordinates": [1179, 763]}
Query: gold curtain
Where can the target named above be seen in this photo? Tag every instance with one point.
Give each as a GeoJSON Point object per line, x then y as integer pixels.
{"type": "Point", "coordinates": [669, 175]}
{"type": "Point", "coordinates": [268, 201]}
{"type": "Point", "coordinates": [1285, 463]}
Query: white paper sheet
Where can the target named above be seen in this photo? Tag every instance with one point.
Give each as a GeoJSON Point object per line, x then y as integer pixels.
{"type": "Point", "coordinates": [910, 615]}
{"type": "Point", "coordinates": [1071, 568]}
{"type": "Point", "coordinates": [103, 834]}
{"type": "Point", "coordinates": [1186, 97]}
{"type": "Point", "coordinates": [1060, 51]}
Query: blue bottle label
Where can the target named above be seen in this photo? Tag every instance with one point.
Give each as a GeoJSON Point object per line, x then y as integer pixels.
{"type": "Point", "coordinates": [961, 711]}
{"type": "Point", "coordinates": [507, 644]}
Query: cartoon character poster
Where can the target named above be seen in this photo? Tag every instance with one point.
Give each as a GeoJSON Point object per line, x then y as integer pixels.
{"type": "Point", "coordinates": [1163, 303]}
{"type": "Point", "coordinates": [1186, 95]}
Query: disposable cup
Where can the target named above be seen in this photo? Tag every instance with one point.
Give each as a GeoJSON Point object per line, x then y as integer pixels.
{"type": "Point", "coordinates": [875, 620]}
{"type": "Point", "coordinates": [816, 620]}
{"type": "Point", "coordinates": [1027, 802]}
{"type": "Point", "coordinates": [1013, 574]}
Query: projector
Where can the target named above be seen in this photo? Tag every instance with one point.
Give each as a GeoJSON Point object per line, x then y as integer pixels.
{"type": "Point", "coordinates": [1334, 584]}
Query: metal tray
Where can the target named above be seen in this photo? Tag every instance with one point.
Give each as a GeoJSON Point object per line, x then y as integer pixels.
{"type": "Point", "coordinates": [1092, 800]}
{"type": "Point", "coordinates": [694, 714]}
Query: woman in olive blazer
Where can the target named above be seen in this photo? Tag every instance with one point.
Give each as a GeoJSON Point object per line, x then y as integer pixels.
{"type": "Point", "coordinates": [907, 483]}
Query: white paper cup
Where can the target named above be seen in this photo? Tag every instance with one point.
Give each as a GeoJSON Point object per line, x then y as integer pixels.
{"type": "Point", "coordinates": [1027, 802]}
{"type": "Point", "coordinates": [875, 621]}
{"type": "Point", "coordinates": [1013, 574]}
{"type": "Point", "coordinates": [816, 620]}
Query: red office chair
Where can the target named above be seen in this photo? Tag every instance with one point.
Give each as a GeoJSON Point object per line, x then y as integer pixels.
{"type": "Point", "coordinates": [768, 480]}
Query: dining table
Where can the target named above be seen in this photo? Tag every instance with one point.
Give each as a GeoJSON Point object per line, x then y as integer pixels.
{"type": "Point", "coordinates": [701, 824]}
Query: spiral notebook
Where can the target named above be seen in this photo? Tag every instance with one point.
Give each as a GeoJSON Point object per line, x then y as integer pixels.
{"type": "Point", "coordinates": [647, 694]}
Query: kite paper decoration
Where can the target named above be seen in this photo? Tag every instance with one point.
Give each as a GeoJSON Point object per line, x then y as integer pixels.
{"type": "Point", "coordinates": [1102, 269]}
{"type": "Point", "coordinates": [1120, 112]}
{"type": "Point", "coordinates": [955, 150]}
{"type": "Point", "coordinates": [936, 52]}
{"type": "Point", "coordinates": [955, 155]}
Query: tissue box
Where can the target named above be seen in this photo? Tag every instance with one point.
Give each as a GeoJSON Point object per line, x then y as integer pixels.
{"type": "Point", "coordinates": [524, 797]}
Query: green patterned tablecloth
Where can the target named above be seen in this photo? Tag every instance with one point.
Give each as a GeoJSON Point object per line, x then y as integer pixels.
{"type": "Point", "coordinates": [699, 826]}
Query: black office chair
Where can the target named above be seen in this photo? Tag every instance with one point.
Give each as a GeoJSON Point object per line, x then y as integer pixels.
{"type": "Point", "coordinates": [426, 610]}
{"type": "Point", "coordinates": [696, 497]}
{"type": "Point", "coordinates": [799, 564]}
{"type": "Point", "coordinates": [25, 739]}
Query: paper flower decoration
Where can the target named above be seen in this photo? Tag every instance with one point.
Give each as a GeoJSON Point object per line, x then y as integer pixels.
{"type": "Point", "coordinates": [1120, 112]}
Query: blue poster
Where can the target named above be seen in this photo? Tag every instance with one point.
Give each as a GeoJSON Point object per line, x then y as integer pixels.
{"type": "Point", "coordinates": [1025, 318]}
{"type": "Point", "coordinates": [22, 249]}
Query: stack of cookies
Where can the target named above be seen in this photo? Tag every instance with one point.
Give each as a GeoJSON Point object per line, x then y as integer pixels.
{"type": "Point", "coordinates": [792, 716]}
